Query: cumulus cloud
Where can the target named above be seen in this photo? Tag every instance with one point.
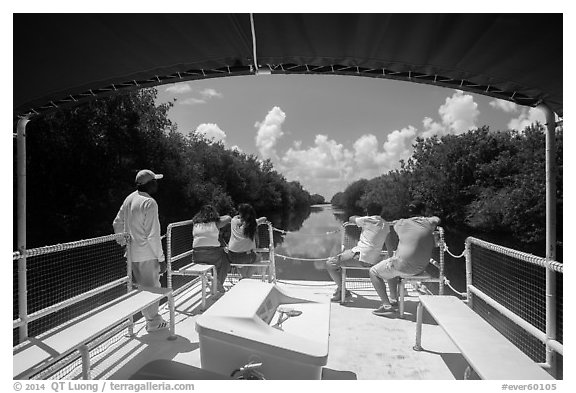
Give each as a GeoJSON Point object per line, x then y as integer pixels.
{"type": "Point", "coordinates": [210, 93]}
{"type": "Point", "coordinates": [211, 131]}
{"type": "Point", "coordinates": [459, 112]}
{"type": "Point", "coordinates": [192, 101]}
{"type": "Point", "coordinates": [527, 117]}
{"type": "Point", "coordinates": [328, 166]}
{"type": "Point", "coordinates": [503, 105]}
{"type": "Point", "coordinates": [179, 88]}
{"type": "Point", "coordinates": [269, 131]}
{"type": "Point", "coordinates": [432, 127]}
{"type": "Point", "coordinates": [199, 97]}
{"type": "Point", "coordinates": [325, 160]}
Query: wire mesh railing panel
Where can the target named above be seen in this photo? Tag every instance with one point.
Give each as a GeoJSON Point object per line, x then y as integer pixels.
{"type": "Point", "coordinates": [350, 237]}
{"type": "Point", "coordinates": [527, 343]}
{"type": "Point", "coordinates": [262, 236]}
{"type": "Point", "coordinates": [179, 241]}
{"type": "Point", "coordinates": [516, 281]}
{"type": "Point", "coordinates": [56, 275]}
{"type": "Point", "coordinates": [559, 308]}
{"type": "Point", "coordinates": [515, 284]}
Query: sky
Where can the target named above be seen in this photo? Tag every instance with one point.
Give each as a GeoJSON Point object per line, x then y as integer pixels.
{"type": "Point", "coordinates": [327, 131]}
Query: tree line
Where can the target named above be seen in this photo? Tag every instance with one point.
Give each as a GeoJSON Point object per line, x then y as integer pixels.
{"type": "Point", "coordinates": [81, 164]}
{"type": "Point", "coordinates": [481, 180]}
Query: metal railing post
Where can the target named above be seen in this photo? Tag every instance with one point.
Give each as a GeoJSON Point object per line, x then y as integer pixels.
{"type": "Point", "coordinates": [169, 256]}
{"type": "Point", "coordinates": [21, 211]}
{"type": "Point", "coordinates": [550, 233]}
{"type": "Point", "coordinates": [272, 257]}
{"type": "Point", "coordinates": [468, 256]}
{"type": "Point", "coordinates": [441, 255]}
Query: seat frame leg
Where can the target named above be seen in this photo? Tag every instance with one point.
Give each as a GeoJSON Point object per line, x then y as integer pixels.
{"type": "Point", "coordinates": [204, 283]}
{"type": "Point", "coordinates": [419, 312]}
{"type": "Point", "coordinates": [343, 287]}
{"type": "Point", "coordinates": [171, 307]}
{"type": "Point", "coordinates": [84, 352]}
{"type": "Point", "coordinates": [401, 293]}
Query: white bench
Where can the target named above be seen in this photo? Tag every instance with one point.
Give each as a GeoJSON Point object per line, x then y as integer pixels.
{"type": "Point", "coordinates": [37, 353]}
{"type": "Point", "coordinates": [487, 351]}
{"type": "Point", "coordinates": [208, 274]}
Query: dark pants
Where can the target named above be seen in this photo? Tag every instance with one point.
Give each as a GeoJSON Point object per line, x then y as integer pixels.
{"type": "Point", "coordinates": [213, 256]}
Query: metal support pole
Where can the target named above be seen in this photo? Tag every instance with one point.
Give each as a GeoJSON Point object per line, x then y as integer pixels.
{"type": "Point", "coordinates": [550, 233]}
{"type": "Point", "coordinates": [419, 312]}
{"type": "Point", "coordinates": [441, 255]}
{"type": "Point", "coordinates": [129, 282]}
{"type": "Point", "coordinates": [169, 256]}
{"type": "Point", "coordinates": [272, 258]}
{"type": "Point", "coordinates": [21, 178]}
{"type": "Point", "coordinates": [468, 255]}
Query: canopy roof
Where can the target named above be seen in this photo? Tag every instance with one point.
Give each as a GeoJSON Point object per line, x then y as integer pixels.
{"type": "Point", "coordinates": [61, 59]}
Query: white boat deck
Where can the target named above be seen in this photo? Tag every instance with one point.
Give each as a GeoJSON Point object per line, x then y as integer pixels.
{"type": "Point", "coordinates": [362, 346]}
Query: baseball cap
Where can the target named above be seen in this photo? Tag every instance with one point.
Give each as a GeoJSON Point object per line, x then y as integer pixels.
{"type": "Point", "coordinates": [145, 175]}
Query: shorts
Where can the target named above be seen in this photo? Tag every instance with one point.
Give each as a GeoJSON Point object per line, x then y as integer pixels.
{"type": "Point", "coordinates": [349, 261]}
{"type": "Point", "coordinates": [386, 270]}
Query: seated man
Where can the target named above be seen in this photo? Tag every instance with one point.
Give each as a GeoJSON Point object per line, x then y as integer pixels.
{"type": "Point", "coordinates": [366, 253]}
{"type": "Point", "coordinates": [416, 241]}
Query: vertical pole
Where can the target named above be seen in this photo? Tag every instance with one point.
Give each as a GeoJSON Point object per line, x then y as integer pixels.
{"type": "Point", "coordinates": [129, 283]}
{"type": "Point", "coordinates": [550, 233]}
{"type": "Point", "coordinates": [169, 256]}
{"type": "Point", "coordinates": [441, 255]}
{"type": "Point", "coordinates": [272, 258]}
{"type": "Point", "coordinates": [21, 211]}
{"type": "Point", "coordinates": [468, 255]}
{"type": "Point", "coordinates": [419, 311]}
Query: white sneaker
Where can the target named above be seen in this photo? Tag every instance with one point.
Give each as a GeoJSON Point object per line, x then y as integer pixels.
{"type": "Point", "coordinates": [161, 325]}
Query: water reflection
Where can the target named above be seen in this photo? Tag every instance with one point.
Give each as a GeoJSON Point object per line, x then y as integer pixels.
{"type": "Point", "coordinates": [317, 236]}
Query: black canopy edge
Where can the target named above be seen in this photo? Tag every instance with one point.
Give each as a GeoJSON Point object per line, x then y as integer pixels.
{"type": "Point", "coordinates": [46, 105]}
{"type": "Point", "coordinates": [308, 69]}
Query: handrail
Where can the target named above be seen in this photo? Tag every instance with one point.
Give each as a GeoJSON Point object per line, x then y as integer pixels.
{"type": "Point", "coordinates": [523, 256]}
{"type": "Point", "coordinates": [21, 256]}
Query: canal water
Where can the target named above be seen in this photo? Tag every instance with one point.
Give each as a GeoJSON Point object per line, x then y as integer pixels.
{"type": "Point", "coordinates": [318, 236]}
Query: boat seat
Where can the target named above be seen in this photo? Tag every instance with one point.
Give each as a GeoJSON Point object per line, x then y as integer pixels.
{"type": "Point", "coordinates": [487, 351]}
{"type": "Point", "coordinates": [208, 274]}
{"type": "Point", "coordinates": [264, 264]}
{"type": "Point", "coordinates": [423, 277]}
{"type": "Point", "coordinates": [37, 353]}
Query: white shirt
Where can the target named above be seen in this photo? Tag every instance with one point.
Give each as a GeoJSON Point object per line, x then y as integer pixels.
{"type": "Point", "coordinates": [138, 216]}
{"type": "Point", "coordinates": [205, 235]}
{"type": "Point", "coordinates": [374, 232]}
{"type": "Point", "coordinates": [238, 241]}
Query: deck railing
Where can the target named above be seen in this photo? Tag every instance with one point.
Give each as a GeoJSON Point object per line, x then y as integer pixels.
{"type": "Point", "coordinates": [179, 242]}
{"type": "Point", "coordinates": [55, 284]}
{"type": "Point", "coordinates": [505, 285]}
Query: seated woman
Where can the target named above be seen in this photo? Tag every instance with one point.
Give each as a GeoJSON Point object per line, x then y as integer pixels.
{"type": "Point", "coordinates": [242, 247]}
{"type": "Point", "coordinates": [206, 246]}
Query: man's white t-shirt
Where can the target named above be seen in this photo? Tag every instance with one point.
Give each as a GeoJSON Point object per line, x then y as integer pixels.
{"type": "Point", "coordinates": [374, 232]}
{"type": "Point", "coordinates": [138, 216]}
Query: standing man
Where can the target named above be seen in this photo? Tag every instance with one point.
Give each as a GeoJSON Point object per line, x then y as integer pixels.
{"type": "Point", "coordinates": [138, 216]}
{"type": "Point", "coordinates": [416, 241]}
